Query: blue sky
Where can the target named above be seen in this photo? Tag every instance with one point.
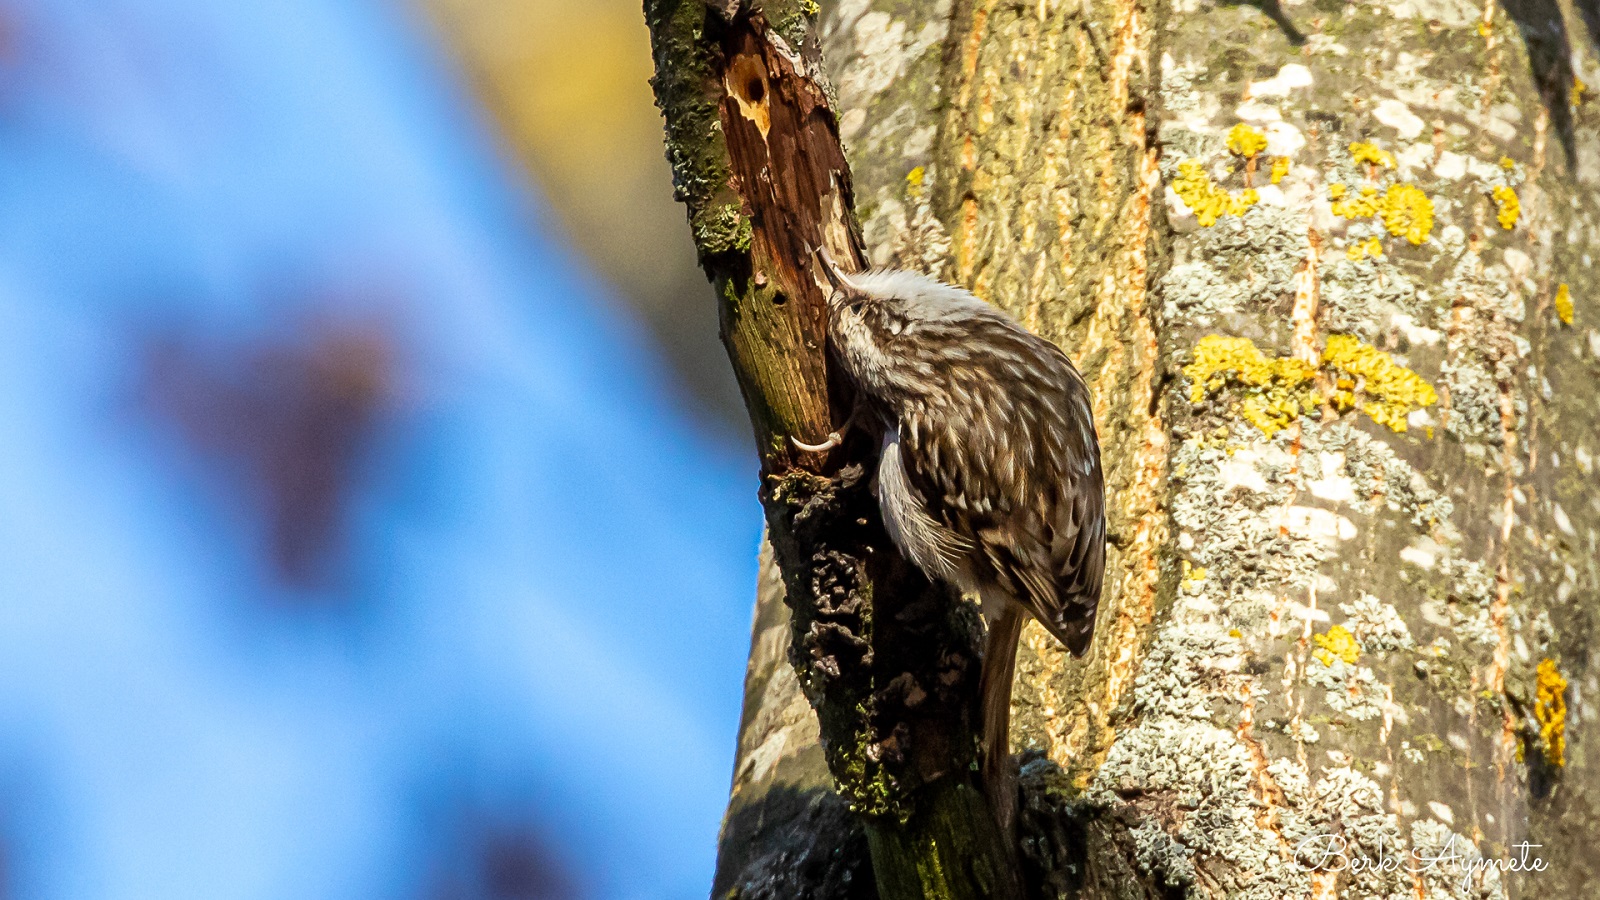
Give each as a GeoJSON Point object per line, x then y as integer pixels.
{"type": "Point", "coordinates": [541, 610]}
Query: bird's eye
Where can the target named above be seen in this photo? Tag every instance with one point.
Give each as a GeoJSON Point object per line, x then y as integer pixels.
{"type": "Point", "coordinates": [856, 307]}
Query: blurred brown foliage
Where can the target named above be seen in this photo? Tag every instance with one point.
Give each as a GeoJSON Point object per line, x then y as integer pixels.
{"type": "Point", "coordinates": [569, 85]}
{"type": "Point", "coordinates": [287, 424]}
{"type": "Point", "coordinates": [507, 864]}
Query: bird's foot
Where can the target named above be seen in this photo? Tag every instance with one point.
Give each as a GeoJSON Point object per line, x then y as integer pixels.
{"type": "Point", "coordinates": [834, 440]}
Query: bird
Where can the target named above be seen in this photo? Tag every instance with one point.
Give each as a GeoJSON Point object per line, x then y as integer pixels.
{"type": "Point", "coordinates": [989, 476]}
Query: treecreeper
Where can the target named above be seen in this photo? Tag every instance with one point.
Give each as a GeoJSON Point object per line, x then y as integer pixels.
{"type": "Point", "coordinates": [989, 478]}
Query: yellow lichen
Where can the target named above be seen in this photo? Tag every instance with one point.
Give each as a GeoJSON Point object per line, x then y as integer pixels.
{"type": "Point", "coordinates": [1338, 643]}
{"type": "Point", "coordinates": [1483, 29]}
{"type": "Point", "coordinates": [1361, 206]}
{"type": "Point", "coordinates": [1209, 202]}
{"type": "Point", "coordinates": [1507, 163]}
{"type": "Point", "coordinates": [1246, 141]}
{"type": "Point", "coordinates": [1407, 212]}
{"type": "Point", "coordinates": [1578, 90]}
{"type": "Point", "coordinates": [1363, 249]}
{"type": "Point", "coordinates": [1363, 152]}
{"type": "Point", "coordinates": [1274, 391]}
{"type": "Point", "coordinates": [1510, 206]}
{"type": "Point", "coordinates": [1564, 304]}
{"type": "Point", "coordinates": [1389, 391]}
{"type": "Point", "coordinates": [915, 176]}
{"type": "Point", "coordinates": [1550, 709]}
{"type": "Point", "coordinates": [1280, 168]}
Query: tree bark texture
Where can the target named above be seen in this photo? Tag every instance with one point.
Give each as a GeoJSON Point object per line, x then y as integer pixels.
{"type": "Point", "coordinates": [887, 660]}
{"type": "Point", "coordinates": [1328, 269]}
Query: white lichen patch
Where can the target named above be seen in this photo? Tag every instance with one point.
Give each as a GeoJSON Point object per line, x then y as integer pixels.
{"type": "Point", "coordinates": [1283, 139]}
{"type": "Point", "coordinates": [1376, 625]}
{"type": "Point", "coordinates": [1316, 554]}
{"type": "Point", "coordinates": [1423, 557]}
{"type": "Point", "coordinates": [1244, 546]}
{"type": "Point", "coordinates": [1350, 689]}
{"type": "Point", "coordinates": [1207, 773]}
{"type": "Point", "coordinates": [1484, 350]}
{"type": "Point", "coordinates": [1302, 731]}
{"type": "Point", "coordinates": [1380, 478]}
{"type": "Point", "coordinates": [1199, 294]}
{"type": "Point", "coordinates": [1398, 116]}
{"type": "Point", "coordinates": [1361, 296]}
{"type": "Point", "coordinates": [1451, 865]}
{"type": "Point", "coordinates": [1291, 76]}
{"type": "Point", "coordinates": [1451, 166]}
{"type": "Point", "coordinates": [1199, 662]}
{"type": "Point", "coordinates": [1313, 524]}
{"type": "Point", "coordinates": [1465, 606]}
{"type": "Point", "coordinates": [884, 49]}
{"type": "Point", "coordinates": [1239, 263]}
{"type": "Point", "coordinates": [1185, 105]}
{"type": "Point", "coordinates": [1241, 470]}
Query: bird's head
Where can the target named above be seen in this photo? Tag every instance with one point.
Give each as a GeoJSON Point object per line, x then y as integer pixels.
{"type": "Point", "coordinates": [890, 328]}
{"type": "Point", "coordinates": [895, 300]}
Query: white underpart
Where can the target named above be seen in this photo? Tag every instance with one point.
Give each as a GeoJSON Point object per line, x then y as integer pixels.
{"type": "Point", "coordinates": [934, 548]}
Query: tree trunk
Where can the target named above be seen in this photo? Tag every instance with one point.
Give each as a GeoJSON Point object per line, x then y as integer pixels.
{"type": "Point", "coordinates": [888, 660]}
{"type": "Point", "coordinates": [1327, 268]}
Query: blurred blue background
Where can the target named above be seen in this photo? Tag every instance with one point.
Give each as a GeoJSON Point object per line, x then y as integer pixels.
{"type": "Point", "coordinates": [357, 539]}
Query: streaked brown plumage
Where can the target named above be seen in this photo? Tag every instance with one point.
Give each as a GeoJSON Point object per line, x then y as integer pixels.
{"type": "Point", "coordinates": [990, 476]}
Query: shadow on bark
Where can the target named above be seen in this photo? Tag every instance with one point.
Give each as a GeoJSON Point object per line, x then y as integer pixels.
{"type": "Point", "coordinates": [1544, 33]}
{"type": "Point", "coordinates": [1073, 850]}
{"type": "Point", "coordinates": [1273, 10]}
{"type": "Point", "coordinates": [799, 844]}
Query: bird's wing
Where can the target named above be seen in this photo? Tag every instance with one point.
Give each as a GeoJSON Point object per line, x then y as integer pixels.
{"type": "Point", "coordinates": [1021, 479]}
{"type": "Point", "coordinates": [931, 544]}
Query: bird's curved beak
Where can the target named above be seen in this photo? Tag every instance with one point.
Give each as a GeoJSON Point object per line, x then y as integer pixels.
{"type": "Point", "coordinates": [836, 276]}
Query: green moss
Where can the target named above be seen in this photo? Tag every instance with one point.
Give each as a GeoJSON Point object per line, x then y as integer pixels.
{"type": "Point", "coordinates": [694, 142]}
{"type": "Point", "coordinates": [722, 228]}
{"type": "Point", "coordinates": [930, 871]}
{"type": "Point", "coordinates": [791, 18]}
{"type": "Point", "coordinates": [865, 784]}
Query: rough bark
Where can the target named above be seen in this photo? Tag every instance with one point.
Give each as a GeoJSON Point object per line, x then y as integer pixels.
{"type": "Point", "coordinates": [886, 660]}
{"type": "Point", "coordinates": [1350, 435]}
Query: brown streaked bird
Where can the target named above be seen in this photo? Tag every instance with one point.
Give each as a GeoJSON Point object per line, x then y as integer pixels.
{"type": "Point", "coordinates": [989, 479]}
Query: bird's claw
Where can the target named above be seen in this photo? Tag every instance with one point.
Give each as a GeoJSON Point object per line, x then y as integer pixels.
{"type": "Point", "coordinates": [834, 440]}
